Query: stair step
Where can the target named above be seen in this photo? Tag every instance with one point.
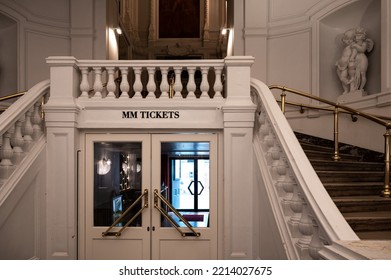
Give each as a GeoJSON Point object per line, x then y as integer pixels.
{"type": "Point", "coordinates": [327, 165]}
{"type": "Point", "coordinates": [369, 221]}
{"type": "Point", "coordinates": [354, 188]}
{"type": "Point", "coordinates": [328, 155]}
{"type": "Point", "coordinates": [327, 176]}
{"type": "Point", "coordinates": [374, 235]}
{"type": "Point", "coordinates": [348, 204]}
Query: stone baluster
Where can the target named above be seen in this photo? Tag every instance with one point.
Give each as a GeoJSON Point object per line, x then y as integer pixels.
{"type": "Point", "coordinates": [17, 142]}
{"type": "Point", "coordinates": [37, 121]}
{"type": "Point", "coordinates": [98, 85]}
{"type": "Point", "coordinates": [191, 85]}
{"type": "Point", "coordinates": [6, 154]}
{"type": "Point", "coordinates": [264, 130]}
{"type": "Point", "coordinates": [281, 172]}
{"type": "Point", "coordinates": [275, 157]}
{"type": "Point", "coordinates": [204, 86]}
{"type": "Point", "coordinates": [316, 243]}
{"type": "Point", "coordinates": [164, 86]}
{"type": "Point", "coordinates": [84, 85]}
{"type": "Point", "coordinates": [297, 208]}
{"type": "Point", "coordinates": [28, 131]}
{"type": "Point", "coordinates": [137, 86]}
{"type": "Point", "coordinates": [306, 230]}
{"type": "Point", "coordinates": [288, 186]}
{"type": "Point", "coordinates": [178, 82]}
{"type": "Point", "coordinates": [124, 85]}
{"type": "Point", "coordinates": [151, 85]}
{"type": "Point", "coordinates": [218, 86]}
{"type": "Point", "coordinates": [111, 86]}
{"type": "Point", "coordinates": [272, 152]}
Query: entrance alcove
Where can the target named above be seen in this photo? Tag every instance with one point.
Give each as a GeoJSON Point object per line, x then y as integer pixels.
{"type": "Point", "coordinates": [8, 55]}
{"type": "Point", "coordinates": [366, 14]}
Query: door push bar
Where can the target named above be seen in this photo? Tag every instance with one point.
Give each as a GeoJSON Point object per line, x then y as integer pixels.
{"type": "Point", "coordinates": [118, 233]}
{"type": "Point", "coordinates": [158, 196]}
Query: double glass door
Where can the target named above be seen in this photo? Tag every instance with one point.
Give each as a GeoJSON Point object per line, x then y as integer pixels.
{"type": "Point", "coordinates": [151, 196]}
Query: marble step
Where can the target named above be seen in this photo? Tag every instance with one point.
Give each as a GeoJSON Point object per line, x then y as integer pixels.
{"type": "Point", "coordinates": [354, 188]}
{"type": "Point", "coordinates": [350, 204]}
{"type": "Point", "coordinates": [369, 221]}
{"type": "Point", "coordinates": [324, 165]}
{"type": "Point", "coordinates": [328, 176]}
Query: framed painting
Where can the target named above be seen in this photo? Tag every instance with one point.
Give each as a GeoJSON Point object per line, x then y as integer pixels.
{"type": "Point", "coordinates": [179, 19]}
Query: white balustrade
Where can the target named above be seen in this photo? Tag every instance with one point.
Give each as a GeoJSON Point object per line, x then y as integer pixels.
{"type": "Point", "coordinates": [135, 85]}
{"type": "Point", "coordinates": [6, 154]}
{"type": "Point", "coordinates": [17, 142]}
{"type": "Point", "coordinates": [20, 127]}
{"type": "Point", "coordinates": [111, 87]}
{"type": "Point", "coordinates": [27, 132]}
{"type": "Point", "coordinates": [138, 86]}
{"type": "Point", "coordinates": [204, 87]}
{"type": "Point", "coordinates": [164, 85]}
{"type": "Point", "coordinates": [297, 188]}
{"type": "Point", "coordinates": [191, 85]}
{"type": "Point", "coordinates": [98, 85]}
{"type": "Point", "coordinates": [178, 83]}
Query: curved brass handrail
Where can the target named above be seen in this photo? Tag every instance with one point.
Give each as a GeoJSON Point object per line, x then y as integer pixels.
{"type": "Point", "coordinates": [373, 118]}
{"type": "Point", "coordinates": [329, 109]}
{"type": "Point", "coordinates": [11, 96]}
{"type": "Point", "coordinates": [386, 192]}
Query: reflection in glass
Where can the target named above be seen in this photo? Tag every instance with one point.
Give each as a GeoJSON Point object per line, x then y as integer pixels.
{"type": "Point", "coordinates": [185, 181]}
{"type": "Point", "coordinates": [117, 181]}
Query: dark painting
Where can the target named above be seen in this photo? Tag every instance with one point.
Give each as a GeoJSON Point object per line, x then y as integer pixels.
{"type": "Point", "coordinates": [179, 18]}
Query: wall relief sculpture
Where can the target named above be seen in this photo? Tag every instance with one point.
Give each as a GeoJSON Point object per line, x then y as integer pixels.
{"type": "Point", "coordinates": [352, 66]}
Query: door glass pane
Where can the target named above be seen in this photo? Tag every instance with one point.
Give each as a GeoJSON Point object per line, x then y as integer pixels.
{"type": "Point", "coordinates": [117, 182]}
{"type": "Point", "coordinates": [185, 181]}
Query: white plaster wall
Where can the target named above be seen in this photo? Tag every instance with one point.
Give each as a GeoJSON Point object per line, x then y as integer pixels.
{"type": "Point", "coordinates": [42, 28]}
{"type": "Point", "coordinates": [8, 56]}
{"type": "Point", "coordinates": [22, 214]}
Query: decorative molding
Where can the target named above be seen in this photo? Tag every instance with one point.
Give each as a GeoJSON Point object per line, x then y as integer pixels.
{"type": "Point", "coordinates": [35, 19]}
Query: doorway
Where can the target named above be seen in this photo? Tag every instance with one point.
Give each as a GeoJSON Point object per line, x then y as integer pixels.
{"type": "Point", "coordinates": [151, 196]}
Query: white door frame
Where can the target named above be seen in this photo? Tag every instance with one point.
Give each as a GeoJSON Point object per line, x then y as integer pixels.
{"type": "Point", "coordinates": [169, 236]}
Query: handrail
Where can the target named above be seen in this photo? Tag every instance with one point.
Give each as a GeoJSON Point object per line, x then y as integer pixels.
{"type": "Point", "coordinates": [118, 233]}
{"type": "Point", "coordinates": [371, 117]}
{"type": "Point", "coordinates": [329, 109]}
{"type": "Point", "coordinates": [386, 192]}
{"type": "Point", "coordinates": [13, 95]}
{"type": "Point", "coordinates": [171, 220]}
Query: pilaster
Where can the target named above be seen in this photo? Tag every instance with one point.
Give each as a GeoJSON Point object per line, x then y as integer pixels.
{"type": "Point", "coordinates": [62, 145]}
{"type": "Point", "coordinates": [238, 154]}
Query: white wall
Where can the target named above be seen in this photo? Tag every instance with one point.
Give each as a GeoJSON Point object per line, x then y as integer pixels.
{"type": "Point", "coordinates": [22, 213]}
{"type": "Point", "coordinates": [42, 28]}
{"type": "Point", "coordinates": [296, 44]}
{"type": "Point", "coordinates": [8, 56]}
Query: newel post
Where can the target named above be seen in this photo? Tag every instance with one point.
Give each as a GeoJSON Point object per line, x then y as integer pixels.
{"type": "Point", "coordinates": [61, 114]}
{"type": "Point", "coordinates": [239, 112]}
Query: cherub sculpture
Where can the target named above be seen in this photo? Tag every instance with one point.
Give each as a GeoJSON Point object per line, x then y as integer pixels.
{"type": "Point", "coordinates": [353, 63]}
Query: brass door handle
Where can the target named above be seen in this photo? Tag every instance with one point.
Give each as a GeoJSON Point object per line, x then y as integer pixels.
{"type": "Point", "coordinates": [118, 233]}
{"type": "Point", "coordinates": [158, 196]}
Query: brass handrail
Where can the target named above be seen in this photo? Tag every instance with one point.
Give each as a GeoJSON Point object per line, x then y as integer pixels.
{"type": "Point", "coordinates": [157, 196]}
{"type": "Point", "coordinates": [118, 233]}
{"type": "Point", "coordinates": [330, 109]}
{"type": "Point", "coordinates": [371, 117]}
{"type": "Point", "coordinates": [386, 192]}
{"type": "Point", "coordinates": [11, 96]}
